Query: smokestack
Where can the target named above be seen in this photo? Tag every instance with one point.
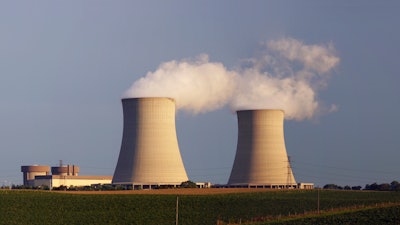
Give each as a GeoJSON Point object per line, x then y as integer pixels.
{"type": "Point", "coordinates": [149, 151]}
{"type": "Point", "coordinates": [261, 158]}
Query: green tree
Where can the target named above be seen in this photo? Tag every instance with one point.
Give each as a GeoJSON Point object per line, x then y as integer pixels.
{"type": "Point", "coordinates": [395, 186]}
{"type": "Point", "coordinates": [332, 186]}
{"type": "Point", "coordinates": [356, 188]}
{"type": "Point", "coordinates": [188, 184]}
{"type": "Point", "coordinates": [384, 187]}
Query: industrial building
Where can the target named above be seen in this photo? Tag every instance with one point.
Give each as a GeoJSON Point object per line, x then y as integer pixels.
{"type": "Point", "coordinates": [30, 172]}
{"type": "Point", "coordinates": [261, 160]}
{"type": "Point", "coordinates": [63, 175]}
{"type": "Point", "coordinates": [149, 155]}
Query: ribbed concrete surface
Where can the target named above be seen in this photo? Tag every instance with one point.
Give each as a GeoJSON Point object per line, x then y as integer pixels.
{"type": "Point", "coordinates": [149, 151]}
{"type": "Point", "coordinates": [261, 157]}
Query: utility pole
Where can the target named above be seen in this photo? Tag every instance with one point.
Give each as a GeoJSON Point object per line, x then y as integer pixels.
{"type": "Point", "coordinates": [177, 210]}
{"type": "Point", "coordinates": [318, 202]}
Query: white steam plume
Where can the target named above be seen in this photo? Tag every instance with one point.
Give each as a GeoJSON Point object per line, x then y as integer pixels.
{"type": "Point", "coordinates": [197, 86]}
{"type": "Point", "coordinates": [316, 58]}
{"type": "Point", "coordinates": [287, 75]}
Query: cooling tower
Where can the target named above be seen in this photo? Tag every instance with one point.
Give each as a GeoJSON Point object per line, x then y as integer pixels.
{"type": "Point", "coordinates": [149, 151]}
{"type": "Point", "coordinates": [261, 159]}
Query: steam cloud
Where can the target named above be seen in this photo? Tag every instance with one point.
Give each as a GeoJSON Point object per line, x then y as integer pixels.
{"type": "Point", "coordinates": [286, 75]}
{"type": "Point", "coordinates": [197, 86]}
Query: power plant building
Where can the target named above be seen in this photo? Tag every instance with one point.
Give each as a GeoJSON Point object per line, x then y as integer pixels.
{"type": "Point", "coordinates": [261, 159]}
{"type": "Point", "coordinates": [150, 157]}
{"type": "Point", "coordinates": [149, 154]}
{"type": "Point", "coordinates": [63, 175]}
{"type": "Point", "coordinates": [30, 172]}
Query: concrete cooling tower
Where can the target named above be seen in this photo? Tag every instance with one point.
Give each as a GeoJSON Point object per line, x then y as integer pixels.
{"type": "Point", "coordinates": [149, 151]}
{"type": "Point", "coordinates": [261, 159]}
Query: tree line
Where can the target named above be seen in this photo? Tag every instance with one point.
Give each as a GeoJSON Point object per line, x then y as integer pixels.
{"type": "Point", "coordinates": [393, 186]}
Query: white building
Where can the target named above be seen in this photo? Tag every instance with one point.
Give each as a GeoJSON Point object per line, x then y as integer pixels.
{"type": "Point", "coordinates": [53, 181]}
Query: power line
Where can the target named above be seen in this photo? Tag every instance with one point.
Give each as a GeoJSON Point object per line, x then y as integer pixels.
{"type": "Point", "coordinates": [346, 168]}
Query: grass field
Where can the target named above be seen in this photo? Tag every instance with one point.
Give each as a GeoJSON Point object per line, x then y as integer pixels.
{"type": "Point", "coordinates": [196, 206]}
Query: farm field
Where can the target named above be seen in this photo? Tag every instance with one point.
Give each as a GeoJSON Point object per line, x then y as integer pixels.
{"type": "Point", "coordinates": [381, 214]}
{"type": "Point", "coordinates": [196, 206]}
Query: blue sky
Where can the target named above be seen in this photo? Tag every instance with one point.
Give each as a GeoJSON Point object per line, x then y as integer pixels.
{"type": "Point", "coordinates": [64, 66]}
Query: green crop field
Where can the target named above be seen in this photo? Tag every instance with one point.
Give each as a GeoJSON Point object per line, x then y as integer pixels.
{"type": "Point", "coordinates": [381, 214]}
{"type": "Point", "coordinates": [46, 207]}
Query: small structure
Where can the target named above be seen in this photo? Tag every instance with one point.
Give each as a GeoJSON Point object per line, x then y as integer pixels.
{"type": "Point", "coordinates": [203, 184]}
{"type": "Point", "coordinates": [306, 185]}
